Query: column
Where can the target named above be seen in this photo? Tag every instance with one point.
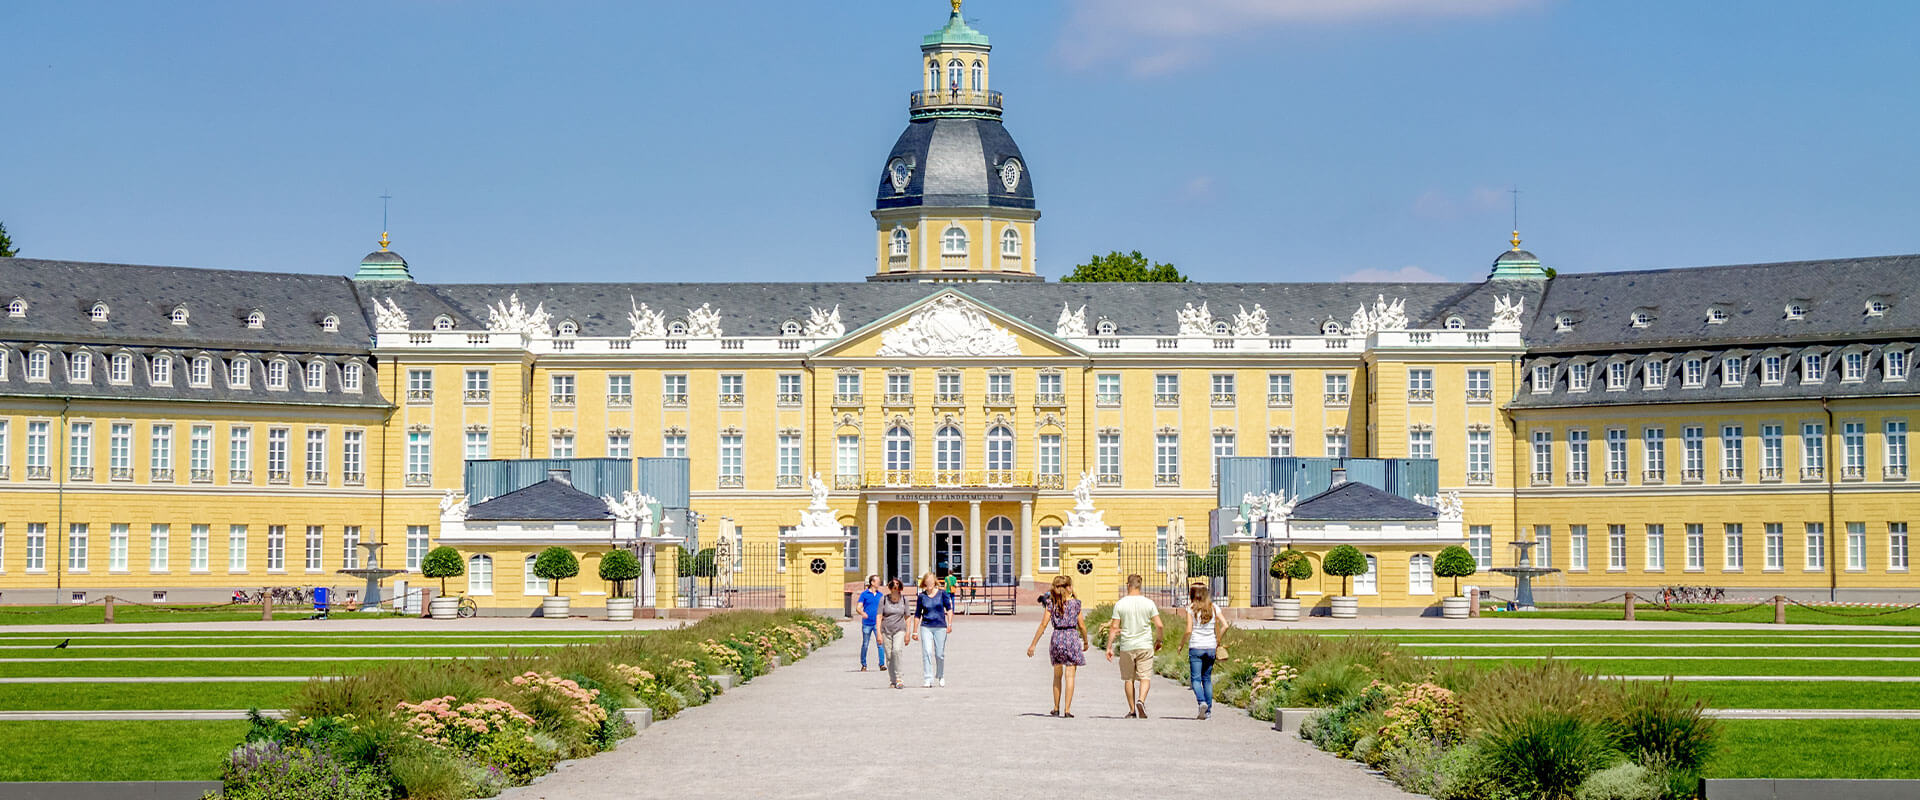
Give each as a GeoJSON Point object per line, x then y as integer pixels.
{"type": "Point", "coordinates": [923, 544]}
{"type": "Point", "coordinates": [873, 540]}
{"type": "Point", "coordinates": [1029, 555]}
{"type": "Point", "coordinates": [976, 540]}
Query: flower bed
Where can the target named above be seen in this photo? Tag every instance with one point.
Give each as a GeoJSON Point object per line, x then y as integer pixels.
{"type": "Point", "coordinates": [434, 730]}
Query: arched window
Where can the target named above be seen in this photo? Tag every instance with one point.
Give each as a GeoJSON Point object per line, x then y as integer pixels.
{"type": "Point", "coordinates": [952, 556]}
{"type": "Point", "coordinates": [237, 374]}
{"type": "Point", "coordinates": [1221, 328]}
{"type": "Point", "coordinates": [933, 76]}
{"type": "Point", "coordinates": [179, 315]}
{"type": "Point", "coordinates": [898, 246]}
{"type": "Point", "coordinates": [899, 449]}
{"type": "Point", "coordinates": [1010, 243]}
{"type": "Point", "coordinates": [1330, 327]}
{"type": "Point", "coordinates": [200, 372]}
{"type": "Point", "coordinates": [1000, 450]}
{"type": "Point", "coordinates": [954, 242]}
{"type": "Point", "coordinates": [98, 313]}
{"type": "Point", "coordinates": [1420, 574]}
{"type": "Point", "coordinates": [790, 328]}
{"type": "Point", "coordinates": [1106, 327]}
{"type": "Point", "coordinates": [480, 575]}
{"type": "Point", "coordinates": [569, 328]}
{"type": "Point", "coordinates": [17, 308]}
{"type": "Point", "coordinates": [121, 369]}
{"type": "Point", "coordinates": [256, 320]}
{"type": "Point", "coordinates": [37, 365]}
{"type": "Point", "coordinates": [330, 324]}
{"type": "Point", "coordinates": [536, 586]}
{"type": "Point", "coordinates": [277, 375]}
{"type": "Point", "coordinates": [1370, 582]}
{"type": "Point", "coordinates": [1456, 323]}
{"type": "Point", "coordinates": [443, 323]}
{"type": "Point", "coordinates": [979, 76]}
{"type": "Point", "coordinates": [954, 73]}
{"type": "Point", "coordinates": [80, 367]}
{"type": "Point", "coordinates": [948, 449]}
{"type": "Point", "coordinates": [316, 376]}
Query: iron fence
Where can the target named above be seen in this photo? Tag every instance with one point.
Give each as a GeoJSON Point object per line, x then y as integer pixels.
{"type": "Point", "coordinates": [753, 578]}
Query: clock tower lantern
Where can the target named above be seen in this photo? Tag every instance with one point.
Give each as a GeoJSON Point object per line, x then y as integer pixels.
{"type": "Point", "coordinates": [955, 200]}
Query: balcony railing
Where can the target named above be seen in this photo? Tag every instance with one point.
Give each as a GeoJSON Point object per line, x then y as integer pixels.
{"type": "Point", "coordinates": [200, 475]}
{"type": "Point", "coordinates": [786, 481]}
{"type": "Point", "coordinates": [1895, 472]}
{"type": "Point", "coordinates": [732, 482]}
{"type": "Point", "coordinates": [948, 479]}
{"type": "Point", "coordinates": [1653, 476]}
{"type": "Point", "coordinates": [1771, 473]}
{"type": "Point", "coordinates": [239, 476]}
{"type": "Point", "coordinates": [1337, 398]}
{"type": "Point", "coordinates": [948, 399]}
{"type": "Point", "coordinates": [478, 397]}
{"type": "Point", "coordinates": [1693, 475]}
{"type": "Point", "coordinates": [1050, 481]}
{"type": "Point", "coordinates": [996, 399]}
{"type": "Point", "coordinates": [732, 400]}
{"type": "Point", "coordinates": [1853, 473]}
{"type": "Point", "coordinates": [962, 98]}
{"type": "Point", "coordinates": [1050, 399]}
{"type": "Point", "coordinates": [353, 478]}
{"type": "Point", "coordinates": [846, 399]}
{"type": "Point", "coordinates": [1419, 395]}
{"type": "Point", "coordinates": [562, 401]}
{"type": "Point", "coordinates": [120, 473]}
{"type": "Point", "coordinates": [1166, 479]}
{"type": "Point", "coordinates": [1734, 475]}
{"type": "Point", "coordinates": [1166, 400]}
{"type": "Point", "coordinates": [1577, 477]}
{"type": "Point", "coordinates": [1107, 400]}
{"type": "Point", "coordinates": [1813, 473]}
{"type": "Point", "coordinates": [1616, 476]}
{"type": "Point", "coordinates": [1279, 400]}
{"type": "Point", "coordinates": [417, 479]}
{"type": "Point", "coordinates": [1223, 399]}
{"type": "Point", "coordinates": [846, 482]}
{"type": "Point", "coordinates": [316, 478]}
{"type": "Point", "coordinates": [899, 398]}
{"type": "Point", "coordinates": [79, 473]}
{"type": "Point", "coordinates": [39, 473]}
{"type": "Point", "coordinates": [279, 476]}
{"type": "Point", "coordinates": [1542, 478]}
{"type": "Point", "coordinates": [1479, 396]}
{"type": "Point", "coordinates": [619, 401]}
{"type": "Point", "coordinates": [673, 401]}
{"type": "Point", "coordinates": [1107, 479]}
{"type": "Point", "coordinates": [1480, 478]}
{"type": "Point", "coordinates": [419, 395]}
{"type": "Point", "coordinates": [159, 476]}
{"type": "Point", "coordinates": [788, 399]}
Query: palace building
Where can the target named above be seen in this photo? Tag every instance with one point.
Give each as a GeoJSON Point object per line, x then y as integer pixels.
{"type": "Point", "coordinates": [187, 432]}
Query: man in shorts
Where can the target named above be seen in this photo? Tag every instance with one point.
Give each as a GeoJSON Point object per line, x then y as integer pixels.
{"type": "Point", "coordinates": [1135, 631]}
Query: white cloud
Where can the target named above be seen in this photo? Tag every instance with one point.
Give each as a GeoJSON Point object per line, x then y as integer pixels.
{"type": "Point", "coordinates": [1407, 274]}
{"type": "Point", "coordinates": [1157, 36]}
{"type": "Point", "coordinates": [1200, 189]}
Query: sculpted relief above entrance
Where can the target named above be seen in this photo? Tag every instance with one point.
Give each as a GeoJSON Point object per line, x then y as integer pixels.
{"type": "Point", "coordinates": [948, 326]}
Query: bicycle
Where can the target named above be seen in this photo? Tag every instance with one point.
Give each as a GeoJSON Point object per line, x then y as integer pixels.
{"type": "Point", "coordinates": [468, 608]}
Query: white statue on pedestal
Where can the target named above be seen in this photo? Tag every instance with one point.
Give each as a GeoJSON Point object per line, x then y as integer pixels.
{"type": "Point", "coordinates": [1084, 519]}
{"type": "Point", "coordinates": [817, 519]}
{"type": "Point", "coordinates": [453, 507]}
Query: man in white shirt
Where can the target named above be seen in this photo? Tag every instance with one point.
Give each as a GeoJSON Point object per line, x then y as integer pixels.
{"type": "Point", "coordinates": [1130, 634]}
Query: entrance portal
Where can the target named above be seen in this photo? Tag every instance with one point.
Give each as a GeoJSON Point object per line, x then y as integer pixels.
{"type": "Point", "coordinates": [949, 546]}
{"type": "Point", "coordinates": [899, 551]}
{"type": "Point", "coordinates": [999, 552]}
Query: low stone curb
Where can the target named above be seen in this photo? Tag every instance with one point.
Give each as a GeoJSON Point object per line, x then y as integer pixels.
{"type": "Point", "coordinates": [132, 715]}
{"type": "Point", "coordinates": [1809, 789]}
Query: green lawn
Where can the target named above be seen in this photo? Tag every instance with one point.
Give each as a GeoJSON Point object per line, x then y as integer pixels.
{"type": "Point", "coordinates": [1670, 650]}
{"type": "Point", "coordinates": [116, 751]}
{"type": "Point", "coordinates": [1607, 666]}
{"type": "Point", "coordinates": [101, 636]}
{"type": "Point", "coordinates": [1818, 748]}
{"type": "Point", "coordinates": [95, 613]}
{"type": "Point", "coordinates": [101, 696]}
{"type": "Point", "coordinates": [265, 665]}
{"type": "Point", "coordinates": [289, 653]}
{"type": "Point", "coordinates": [1796, 615]}
{"type": "Point", "coordinates": [1802, 694]}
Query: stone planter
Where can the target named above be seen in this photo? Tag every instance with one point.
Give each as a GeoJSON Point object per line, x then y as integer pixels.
{"type": "Point", "coordinates": [444, 607]}
{"type": "Point", "coordinates": [620, 609]}
{"type": "Point", "coordinates": [1455, 607]}
{"type": "Point", "coordinates": [555, 607]}
{"type": "Point", "coordinates": [1286, 610]}
{"type": "Point", "coordinates": [1345, 607]}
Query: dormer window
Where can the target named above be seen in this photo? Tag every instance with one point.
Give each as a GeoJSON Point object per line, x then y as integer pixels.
{"type": "Point", "coordinates": [256, 320]}
{"type": "Point", "coordinates": [179, 315]}
{"type": "Point", "coordinates": [98, 313]}
{"type": "Point", "coordinates": [316, 376]}
{"type": "Point", "coordinates": [1563, 323]}
{"type": "Point", "coordinates": [1221, 328]}
{"type": "Point", "coordinates": [1642, 319]}
{"type": "Point", "coordinates": [330, 323]}
{"type": "Point", "coordinates": [569, 328]}
{"type": "Point", "coordinates": [1733, 371]}
{"type": "Point", "coordinates": [1896, 365]}
{"type": "Point", "coordinates": [277, 375]}
{"type": "Point", "coordinates": [954, 242]}
{"type": "Point", "coordinates": [37, 365]}
{"type": "Point", "coordinates": [897, 246]}
{"type": "Point", "coordinates": [1456, 324]}
{"type": "Point", "coordinates": [160, 370]}
{"type": "Point", "coordinates": [1876, 308]}
{"type": "Point", "coordinates": [1010, 244]}
{"type": "Point", "coordinates": [790, 328]}
{"type": "Point", "coordinates": [1617, 376]}
{"type": "Point", "coordinates": [17, 308]}
{"type": "Point", "coordinates": [1853, 366]}
{"type": "Point", "coordinates": [1330, 327]}
{"type": "Point", "coordinates": [1542, 379]}
{"type": "Point", "coordinates": [1773, 370]}
{"type": "Point", "coordinates": [120, 368]}
{"type": "Point", "coordinates": [677, 328]}
{"type": "Point", "coordinates": [350, 377]}
{"type": "Point", "coordinates": [1813, 368]}
{"type": "Point", "coordinates": [80, 367]}
{"type": "Point", "coordinates": [1106, 328]}
{"type": "Point", "coordinates": [1796, 311]}
{"type": "Point", "coordinates": [1716, 316]}
{"type": "Point", "coordinates": [1656, 374]}
{"type": "Point", "coordinates": [1577, 378]}
{"type": "Point", "coordinates": [237, 374]}
{"type": "Point", "coordinates": [443, 323]}
{"type": "Point", "coordinates": [200, 372]}
{"type": "Point", "coordinates": [1693, 372]}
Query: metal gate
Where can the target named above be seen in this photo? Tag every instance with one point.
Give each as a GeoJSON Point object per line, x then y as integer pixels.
{"type": "Point", "coordinates": [751, 578]}
{"type": "Point", "coordinates": [1262, 581]}
{"type": "Point", "coordinates": [1160, 567]}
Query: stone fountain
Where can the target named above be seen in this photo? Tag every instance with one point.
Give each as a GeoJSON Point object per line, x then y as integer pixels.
{"type": "Point", "coordinates": [1523, 572]}
{"type": "Point", "coordinates": [373, 573]}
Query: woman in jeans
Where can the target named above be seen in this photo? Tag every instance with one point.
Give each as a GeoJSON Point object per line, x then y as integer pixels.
{"type": "Point", "coordinates": [893, 627]}
{"type": "Point", "coordinates": [1069, 645]}
{"type": "Point", "coordinates": [932, 622]}
{"type": "Point", "coordinates": [1204, 626]}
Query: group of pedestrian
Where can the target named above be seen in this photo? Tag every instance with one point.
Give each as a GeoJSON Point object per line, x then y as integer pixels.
{"type": "Point", "coordinates": [1134, 637]}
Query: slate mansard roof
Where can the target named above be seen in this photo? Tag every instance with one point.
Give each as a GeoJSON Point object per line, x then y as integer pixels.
{"type": "Point", "coordinates": [956, 163]}
{"type": "Point", "coordinates": [551, 500]}
{"type": "Point", "coordinates": [1354, 501]}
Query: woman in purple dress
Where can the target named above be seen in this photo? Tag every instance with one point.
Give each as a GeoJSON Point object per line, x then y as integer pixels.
{"type": "Point", "coordinates": [1068, 648]}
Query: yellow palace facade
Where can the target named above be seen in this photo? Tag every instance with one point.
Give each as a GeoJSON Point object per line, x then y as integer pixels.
{"type": "Point", "coordinates": [191, 431]}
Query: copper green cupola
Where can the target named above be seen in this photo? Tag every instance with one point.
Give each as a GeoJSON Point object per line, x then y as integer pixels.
{"type": "Point", "coordinates": [383, 264]}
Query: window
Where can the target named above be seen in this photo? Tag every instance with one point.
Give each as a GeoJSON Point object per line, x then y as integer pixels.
{"type": "Point", "coordinates": [1577, 377]}
{"type": "Point", "coordinates": [1336, 389]}
{"type": "Point", "coordinates": [1897, 553]}
{"type": "Point", "coordinates": [1420, 574]}
{"type": "Point", "coordinates": [948, 450]}
{"type": "Point", "coordinates": [897, 246]}
{"type": "Point", "coordinates": [1655, 374]}
{"type": "Point", "coordinates": [278, 468]}
{"type": "Point", "coordinates": [1279, 389]}
{"type": "Point", "coordinates": [731, 459]}
{"type": "Point", "coordinates": [1641, 319]}
{"type": "Point", "coordinates": [443, 323]}
{"type": "Point", "coordinates": [933, 76]}
{"type": "Point", "coordinates": [1160, 548]}
{"type": "Point", "coordinates": [1369, 581]}
{"type": "Point", "coordinates": [1000, 450]}
{"type": "Point", "coordinates": [1896, 447]}
{"type": "Point", "coordinates": [1166, 458]}
{"type": "Point", "coordinates": [946, 387]}
{"type": "Point", "coordinates": [1617, 376]}
{"type": "Point", "coordinates": [256, 320]}
{"type": "Point", "coordinates": [1542, 379]}
{"type": "Point", "coordinates": [1543, 456]}
{"type": "Point", "coordinates": [277, 375]}
{"type": "Point", "coordinates": [1693, 372]}
{"type": "Point", "coordinates": [1279, 443]}
{"type": "Point", "coordinates": [1336, 444]}
{"type": "Point", "coordinates": [953, 75]}
{"type": "Point", "coordinates": [620, 445]}
{"type": "Point", "coordinates": [36, 554]}
{"type": "Point", "coordinates": [1736, 546]}
{"type": "Point", "coordinates": [1480, 456]}
{"type": "Point", "coordinates": [1166, 389]}
{"type": "Point", "coordinates": [1772, 452]}
{"type": "Point", "coordinates": [787, 389]}
{"type": "Point", "coordinates": [416, 546]}
{"type": "Point", "coordinates": [17, 308]}
{"type": "Point", "coordinates": [1224, 446]}
{"type": "Point", "coordinates": [1853, 367]}
{"type": "Point", "coordinates": [1656, 548]}
{"type": "Point", "coordinates": [979, 76]}
{"type": "Point", "coordinates": [350, 378]}
{"type": "Point", "coordinates": [80, 451]}
{"type": "Point", "coordinates": [1693, 453]}
{"type": "Point", "coordinates": [1896, 365]}
{"type": "Point", "coordinates": [673, 445]}
{"type": "Point", "coordinates": [419, 458]}
{"type": "Point", "coordinates": [846, 387]}
{"type": "Point", "coordinates": [120, 451]}
{"type": "Point", "coordinates": [1616, 548]}
{"type": "Point", "coordinates": [353, 456]}
{"type": "Point", "coordinates": [158, 535]}
{"type": "Point", "coordinates": [479, 385]}
{"type": "Point", "coordinates": [1813, 368]}
{"type": "Point", "coordinates": [117, 536]}
{"type": "Point", "coordinates": [316, 376]}
{"type": "Point", "coordinates": [39, 434]}
{"type": "Point", "coordinates": [77, 547]}
{"type": "Point", "coordinates": [199, 542]}
{"type": "Point", "coordinates": [846, 455]}
{"type": "Point", "coordinates": [673, 390]}
{"type": "Point", "coordinates": [1577, 457]}
{"type": "Point", "coordinates": [1106, 389]}
{"type": "Point", "coordinates": [1420, 443]}
{"type": "Point", "coordinates": [1010, 244]}
{"type": "Point", "coordinates": [1616, 455]}
{"type": "Point", "coordinates": [1773, 370]}
{"type": "Point", "coordinates": [1853, 450]}
{"type": "Point", "coordinates": [276, 548]}
{"type": "Point", "coordinates": [37, 365]}
{"type": "Point", "coordinates": [1816, 546]}
{"type": "Point", "coordinates": [852, 561]}
{"type": "Point", "coordinates": [562, 444]}
{"type": "Point", "coordinates": [1050, 387]}
{"type": "Point", "coordinates": [1050, 455]}
{"type": "Point", "coordinates": [1733, 371]}
{"type": "Point", "coordinates": [160, 371]}
{"type": "Point", "coordinates": [200, 453]}
{"type": "Point", "coordinates": [480, 575]}
{"type": "Point", "coordinates": [1733, 456]}
{"type": "Point", "coordinates": [236, 548]}
{"type": "Point", "coordinates": [1223, 389]}
{"type": "Point", "coordinates": [1543, 545]}
{"type": "Point", "coordinates": [237, 374]}
{"type": "Point", "coordinates": [1049, 548]}
{"type": "Point", "coordinates": [1716, 316]}
{"type": "Point", "coordinates": [120, 368]}
{"type": "Point", "coordinates": [733, 389]}
{"type": "Point", "coordinates": [1776, 547]}
{"type": "Point", "coordinates": [899, 387]}
{"type": "Point", "coordinates": [1106, 452]}
{"type": "Point", "coordinates": [1813, 450]}
{"type": "Point", "coordinates": [315, 540]}
{"type": "Point", "coordinates": [953, 242]}
{"type": "Point", "coordinates": [316, 456]}
{"type": "Point", "coordinates": [1856, 546]}
{"type": "Point", "coordinates": [1480, 544]}
{"type": "Point", "coordinates": [1420, 385]}
{"type": "Point", "coordinates": [80, 367]}
{"type": "Point", "coordinates": [330, 323]}
{"type": "Point", "coordinates": [563, 392]}
{"type": "Point", "coordinates": [534, 585]}
{"type": "Point", "coordinates": [788, 457]}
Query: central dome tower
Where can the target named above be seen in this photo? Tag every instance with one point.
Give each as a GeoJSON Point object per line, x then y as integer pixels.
{"type": "Point", "coordinates": [955, 200]}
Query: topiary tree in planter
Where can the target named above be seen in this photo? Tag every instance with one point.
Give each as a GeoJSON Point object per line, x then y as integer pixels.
{"type": "Point", "coordinates": [618, 567]}
{"type": "Point", "coordinates": [556, 564]}
{"type": "Point", "coordinates": [1290, 565]}
{"type": "Point", "coordinates": [1344, 561]}
{"type": "Point", "coordinates": [1211, 564]}
{"type": "Point", "coordinates": [696, 565]}
{"type": "Point", "coordinates": [1456, 563]}
{"type": "Point", "coordinates": [443, 562]}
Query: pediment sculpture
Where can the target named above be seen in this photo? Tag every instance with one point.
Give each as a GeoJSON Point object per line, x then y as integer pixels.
{"type": "Point", "coordinates": [646, 322]}
{"type": "Point", "coordinates": [1507, 312]}
{"type": "Point", "coordinates": [1250, 323]}
{"type": "Point", "coordinates": [1196, 321]}
{"type": "Point", "coordinates": [387, 316]}
{"type": "Point", "coordinates": [824, 323]}
{"type": "Point", "coordinates": [1072, 323]}
{"type": "Point", "coordinates": [453, 507]}
{"type": "Point", "coordinates": [703, 322]}
{"type": "Point", "coordinates": [513, 316]}
{"type": "Point", "coordinates": [948, 326]}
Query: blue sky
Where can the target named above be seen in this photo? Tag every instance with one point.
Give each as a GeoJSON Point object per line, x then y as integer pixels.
{"type": "Point", "coordinates": [730, 140]}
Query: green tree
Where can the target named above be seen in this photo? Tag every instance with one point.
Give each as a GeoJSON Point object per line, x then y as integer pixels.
{"type": "Point", "coordinates": [696, 565]}
{"type": "Point", "coordinates": [556, 564]}
{"type": "Point", "coordinates": [1455, 562]}
{"type": "Point", "coordinates": [443, 562]}
{"type": "Point", "coordinates": [1344, 561]}
{"type": "Point", "coordinates": [618, 567]}
{"type": "Point", "coordinates": [1291, 565]}
{"type": "Point", "coordinates": [6, 243]}
{"type": "Point", "coordinates": [1118, 267]}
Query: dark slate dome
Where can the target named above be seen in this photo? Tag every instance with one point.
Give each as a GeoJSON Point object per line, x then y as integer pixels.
{"type": "Point", "coordinates": [1517, 257]}
{"type": "Point", "coordinates": [956, 162]}
{"type": "Point", "coordinates": [383, 258]}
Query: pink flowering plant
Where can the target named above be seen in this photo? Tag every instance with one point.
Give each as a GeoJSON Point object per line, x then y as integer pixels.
{"type": "Point", "coordinates": [465, 728]}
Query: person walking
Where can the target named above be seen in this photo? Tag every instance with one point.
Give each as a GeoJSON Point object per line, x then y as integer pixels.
{"type": "Point", "coordinates": [1135, 631]}
{"type": "Point", "coordinates": [932, 624]}
{"type": "Point", "coordinates": [869, 619]}
{"type": "Point", "coordinates": [1068, 648]}
{"type": "Point", "coordinates": [1204, 627]}
{"type": "Point", "coordinates": [893, 627]}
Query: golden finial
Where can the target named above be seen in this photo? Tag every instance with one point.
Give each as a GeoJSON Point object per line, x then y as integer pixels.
{"type": "Point", "coordinates": [956, 6]}
{"type": "Point", "coordinates": [1516, 240]}
{"type": "Point", "coordinates": [384, 241]}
